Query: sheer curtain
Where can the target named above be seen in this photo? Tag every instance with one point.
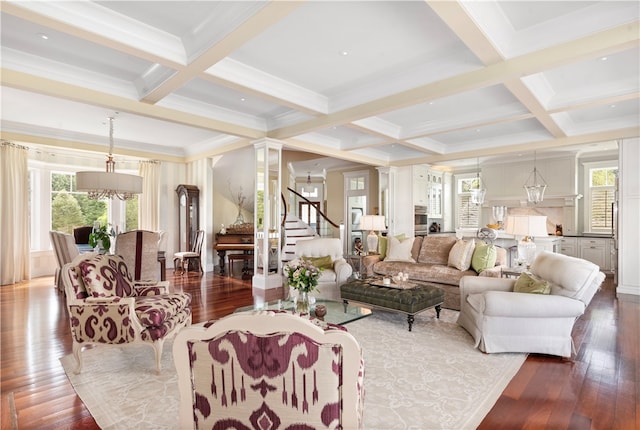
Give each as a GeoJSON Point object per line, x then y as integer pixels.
{"type": "Point", "coordinates": [14, 215]}
{"type": "Point", "coordinates": [149, 200]}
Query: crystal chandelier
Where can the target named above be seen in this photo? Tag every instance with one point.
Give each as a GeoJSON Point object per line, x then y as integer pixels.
{"type": "Point", "coordinates": [535, 185]}
{"type": "Point", "coordinates": [477, 194]}
{"type": "Point", "coordinates": [109, 184]}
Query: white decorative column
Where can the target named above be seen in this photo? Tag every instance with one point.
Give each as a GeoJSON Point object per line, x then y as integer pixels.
{"type": "Point", "coordinates": [267, 215]}
{"type": "Point", "coordinates": [628, 226]}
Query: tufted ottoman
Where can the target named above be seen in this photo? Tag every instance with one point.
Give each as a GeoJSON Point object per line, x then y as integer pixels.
{"type": "Point", "coordinates": [410, 301]}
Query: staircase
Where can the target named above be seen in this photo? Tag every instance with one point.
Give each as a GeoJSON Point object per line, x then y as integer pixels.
{"type": "Point", "coordinates": [294, 229]}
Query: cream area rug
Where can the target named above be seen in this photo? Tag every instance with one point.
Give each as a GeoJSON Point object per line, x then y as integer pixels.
{"type": "Point", "coordinates": [429, 378]}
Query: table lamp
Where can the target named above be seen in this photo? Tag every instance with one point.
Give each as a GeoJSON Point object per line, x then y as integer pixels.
{"type": "Point", "coordinates": [526, 227]}
{"type": "Point", "coordinates": [372, 223]}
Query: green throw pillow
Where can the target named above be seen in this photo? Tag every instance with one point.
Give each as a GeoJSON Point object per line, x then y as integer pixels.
{"type": "Point", "coordinates": [382, 244]}
{"type": "Point", "coordinates": [484, 257]}
{"type": "Point", "coordinates": [527, 283]}
{"type": "Point", "coordinates": [324, 262]}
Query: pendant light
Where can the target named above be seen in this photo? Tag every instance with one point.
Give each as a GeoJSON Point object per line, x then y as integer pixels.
{"type": "Point", "coordinates": [477, 194]}
{"type": "Point", "coordinates": [109, 184]}
{"type": "Point", "coordinates": [535, 185]}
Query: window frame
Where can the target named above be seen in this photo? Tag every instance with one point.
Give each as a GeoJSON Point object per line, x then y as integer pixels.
{"type": "Point", "coordinates": [457, 180]}
{"type": "Point", "coordinates": [588, 167]}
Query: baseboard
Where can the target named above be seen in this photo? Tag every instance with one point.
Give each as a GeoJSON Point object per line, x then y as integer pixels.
{"type": "Point", "coordinates": [627, 293]}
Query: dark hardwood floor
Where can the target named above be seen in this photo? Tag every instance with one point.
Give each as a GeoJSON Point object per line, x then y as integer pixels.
{"type": "Point", "coordinates": [598, 389]}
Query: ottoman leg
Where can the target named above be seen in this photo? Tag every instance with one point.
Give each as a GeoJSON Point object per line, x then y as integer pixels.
{"type": "Point", "coordinates": [438, 311]}
{"type": "Point", "coordinates": [410, 319]}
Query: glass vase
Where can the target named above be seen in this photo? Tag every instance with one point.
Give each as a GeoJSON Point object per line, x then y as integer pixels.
{"type": "Point", "coordinates": [302, 304]}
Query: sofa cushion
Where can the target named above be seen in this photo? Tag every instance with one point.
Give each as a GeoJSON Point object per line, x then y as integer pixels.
{"type": "Point", "coordinates": [484, 256]}
{"type": "Point", "coordinates": [320, 262]}
{"type": "Point", "coordinates": [383, 244]}
{"type": "Point", "coordinates": [436, 273]}
{"type": "Point", "coordinates": [415, 249]}
{"type": "Point", "coordinates": [106, 276]}
{"type": "Point", "coordinates": [399, 250]}
{"type": "Point", "coordinates": [528, 283]}
{"type": "Point", "coordinates": [435, 249]}
{"type": "Point", "coordinates": [461, 253]}
{"type": "Point", "coordinates": [569, 276]}
{"type": "Point", "coordinates": [154, 311]}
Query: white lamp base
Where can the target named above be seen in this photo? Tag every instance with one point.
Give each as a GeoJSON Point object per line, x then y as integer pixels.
{"type": "Point", "coordinates": [372, 242]}
{"type": "Point", "coordinates": [526, 251]}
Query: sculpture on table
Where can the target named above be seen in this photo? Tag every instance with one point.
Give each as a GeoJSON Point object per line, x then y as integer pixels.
{"type": "Point", "coordinates": [240, 199]}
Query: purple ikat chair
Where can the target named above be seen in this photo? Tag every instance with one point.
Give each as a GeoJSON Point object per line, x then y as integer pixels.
{"type": "Point", "coordinates": [106, 307]}
{"type": "Point", "coordinates": [269, 370]}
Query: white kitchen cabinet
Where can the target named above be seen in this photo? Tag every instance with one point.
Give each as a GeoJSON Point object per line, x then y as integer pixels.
{"type": "Point", "coordinates": [569, 246]}
{"type": "Point", "coordinates": [434, 184]}
{"type": "Point", "coordinates": [420, 186]}
{"type": "Point", "coordinates": [597, 250]}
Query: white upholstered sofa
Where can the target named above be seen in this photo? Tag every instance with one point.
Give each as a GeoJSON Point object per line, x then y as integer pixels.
{"type": "Point", "coordinates": [501, 320]}
{"type": "Point", "coordinates": [330, 278]}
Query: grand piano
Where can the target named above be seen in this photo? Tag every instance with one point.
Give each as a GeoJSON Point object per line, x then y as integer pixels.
{"type": "Point", "coordinates": [232, 241]}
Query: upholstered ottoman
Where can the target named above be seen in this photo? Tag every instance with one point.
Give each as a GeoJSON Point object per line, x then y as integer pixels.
{"type": "Point", "coordinates": [410, 301]}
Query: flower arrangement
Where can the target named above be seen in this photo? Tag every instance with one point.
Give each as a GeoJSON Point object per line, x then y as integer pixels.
{"type": "Point", "coordinates": [302, 275]}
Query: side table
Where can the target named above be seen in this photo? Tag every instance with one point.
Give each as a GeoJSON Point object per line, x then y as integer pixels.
{"type": "Point", "coordinates": [514, 271]}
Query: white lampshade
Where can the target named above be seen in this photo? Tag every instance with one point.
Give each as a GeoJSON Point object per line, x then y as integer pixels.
{"type": "Point", "coordinates": [372, 223]}
{"type": "Point", "coordinates": [109, 184]}
{"type": "Point", "coordinates": [527, 227]}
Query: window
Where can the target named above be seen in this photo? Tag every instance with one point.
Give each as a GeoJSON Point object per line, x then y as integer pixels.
{"type": "Point", "coordinates": [70, 208]}
{"type": "Point", "coordinates": [601, 194]}
{"type": "Point", "coordinates": [467, 213]}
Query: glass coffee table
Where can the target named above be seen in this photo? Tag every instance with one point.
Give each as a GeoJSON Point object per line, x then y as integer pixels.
{"type": "Point", "coordinates": [337, 313]}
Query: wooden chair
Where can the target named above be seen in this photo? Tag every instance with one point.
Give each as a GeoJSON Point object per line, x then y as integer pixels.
{"type": "Point", "coordinates": [183, 259]}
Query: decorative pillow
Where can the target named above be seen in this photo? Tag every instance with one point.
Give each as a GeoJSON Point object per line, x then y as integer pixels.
{"type": "Point", "coordinates": [461, 254]}
{"type": "Point", "coordinates": [324, 262]}
{"type": "Point", "coordinates": [435, 249]}
{"type": "Point", "coordinates": [382, 244]}
{"type": "Point", "coordinates": [528, 283]}
{"type": "Point", "coordinates": [106, 276]}
{"type": "Point", "coordinates": [399, 250]}
{"type": "Point", "coordinates": [484, 257]}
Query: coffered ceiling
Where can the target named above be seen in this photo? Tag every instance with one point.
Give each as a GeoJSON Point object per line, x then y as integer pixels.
{"type": "Point", "coordinates": [378, 82]}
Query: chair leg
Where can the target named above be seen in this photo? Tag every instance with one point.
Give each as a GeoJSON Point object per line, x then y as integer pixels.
{"type": "Point", "coordinates": [157, 346]}
{"type": "Point", "coordinates": [77, 354]}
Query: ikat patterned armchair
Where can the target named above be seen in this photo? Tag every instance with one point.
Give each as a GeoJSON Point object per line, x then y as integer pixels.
{"type": "Point", "coordinates": [269, 370]}
{"type": "Point", "coordinates": [107, 308]}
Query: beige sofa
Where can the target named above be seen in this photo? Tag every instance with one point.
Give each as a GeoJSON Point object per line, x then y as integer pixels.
{"type": "Point", "coordinates": [431, 264]}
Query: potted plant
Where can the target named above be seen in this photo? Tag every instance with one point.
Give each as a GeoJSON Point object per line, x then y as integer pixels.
{"type": "Point", "coordinates": [100, 238]}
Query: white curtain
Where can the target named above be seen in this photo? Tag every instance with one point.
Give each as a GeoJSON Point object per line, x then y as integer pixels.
{"type": "Point", "coordinates": [149, 200]}
{"type": "Point", "coordinates": [14, 214]}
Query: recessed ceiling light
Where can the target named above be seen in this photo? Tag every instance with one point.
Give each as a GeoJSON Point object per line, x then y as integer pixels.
{"type": "Point", "coordinates": [612, 106]}
{"type": "Point", "coordinates": [242, 99]}
{"type": "Point", "coordinates": [603, 59]}
{"type": "Point", "coordinates": [477, 130]}
{"type": "Point", "coordinates": [43, 36]}
{"type": "Point", "coordinates": [344, 53]}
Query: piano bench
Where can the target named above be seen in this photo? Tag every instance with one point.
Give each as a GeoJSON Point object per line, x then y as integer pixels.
{"type": "Point", "coordinates": [245, 258]}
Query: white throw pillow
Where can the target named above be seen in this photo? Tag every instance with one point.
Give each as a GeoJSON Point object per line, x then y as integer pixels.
{"type": "Point", "coordinates": [461, 253]}
{"type": "Point", "coordinates": [399, 250]}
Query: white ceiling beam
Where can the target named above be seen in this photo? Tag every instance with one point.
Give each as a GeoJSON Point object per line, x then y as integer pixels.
{"type": "Point", "coordinates": [592, 46]}
{"type": "Point", "coordinates": [256, 24]}
{"type": "Point", "coordinates": [24, 81]}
